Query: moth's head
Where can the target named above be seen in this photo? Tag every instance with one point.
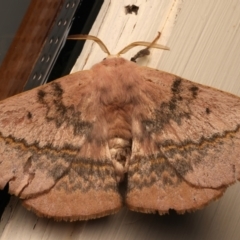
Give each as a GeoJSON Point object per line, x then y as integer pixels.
{"type": "Point", "coordinates": [141, 53]}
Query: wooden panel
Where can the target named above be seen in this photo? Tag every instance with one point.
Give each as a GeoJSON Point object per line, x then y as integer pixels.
{"type": "Point", "coordinates": [26, 46]}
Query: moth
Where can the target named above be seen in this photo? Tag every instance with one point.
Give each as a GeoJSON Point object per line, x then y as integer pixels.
{"type": "Point", "coordinates": [129, 9]}
{"type": "Point", "coordinates": [67, 146]}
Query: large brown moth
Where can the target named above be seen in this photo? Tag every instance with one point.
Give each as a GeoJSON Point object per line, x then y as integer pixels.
{"type": "Point", "coordinates": [65, 146]}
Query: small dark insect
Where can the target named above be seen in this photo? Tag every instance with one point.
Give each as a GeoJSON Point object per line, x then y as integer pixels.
{"type": "Point", "coordinates": [129, 9]}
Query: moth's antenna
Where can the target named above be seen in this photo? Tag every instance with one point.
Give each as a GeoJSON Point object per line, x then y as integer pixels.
{"type": "Point", "coordinates": [141, 53]}
{"type": "Point", "coordinates": [90, 37]}
{"type": "Point", "coordinates": [144, 51]}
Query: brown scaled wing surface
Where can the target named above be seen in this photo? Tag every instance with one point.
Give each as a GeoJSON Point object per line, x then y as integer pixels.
{"type": "Point", "coordinates": [54, 142]}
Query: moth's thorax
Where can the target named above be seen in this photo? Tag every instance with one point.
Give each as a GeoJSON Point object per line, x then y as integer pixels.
{"type": "Point", "coordinates": [115, 81]}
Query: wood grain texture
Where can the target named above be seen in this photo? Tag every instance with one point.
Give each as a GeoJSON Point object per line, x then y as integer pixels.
{"type": "Point", "coordinates": [26, 46]}
{"type": "Point", "coordinates": [203, 41]}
